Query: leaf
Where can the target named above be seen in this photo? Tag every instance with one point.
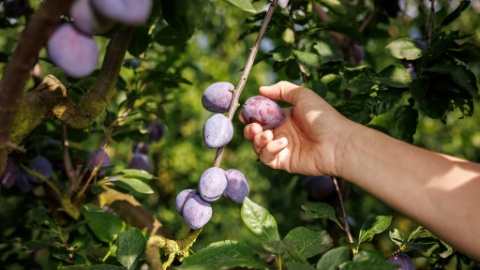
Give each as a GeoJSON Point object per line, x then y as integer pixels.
{"type": "Point", "coordinates": [360, 108]}
{"type": "Point", "coordinates": [299, 266]}
{"type": "Point", "coordinates": [104, 225]}
{"type": "Point", "coordinates": [405, 49]}
{"type": "Point", "coordinates": [224, 255]}
{"type": "Point", "coordinates": [133, 184]}
{"type": "Point", "coordinates": [279, 246]}
{"type": "Point", "coordinates": [459, 73]}
{"type": "Point", "coordinates": [396, 236]}
{"type": "Point", "coordinates": [309, 243]}
{"type": "Point", "coordinates": [386, 100]}
{"type": "Point", "coordinates": [405, 121]}
{"type": "Point", "coordinates": [360, 79]}
{"type": "Point", "coordinates": [329, 52]}
{"type": "Point", "coordinates": [373, 226]}
{"type": "Point", "coordinates": [368, 260]}
{"type": "Point", "coordinates": [334, 5]}
{"type": "Point", "coordinates": [282, 53]}
{"type": "Point", "coordinates": [37, 245]}
{"type": "Point", "coordinates": [456, 13]}
{"type": "Point", "coordinates": [395, 76]}
{"type": "Point", "coordinates": [41, 217]}
{"type": "Point", "coordinates": [245, 5]}
{"type": "Point", "coordinates": [333, 258]}
{"type": "Point", "coordinates": [419, 88]}
{"type": "Point", "coordinates": [137, 174]}
{"type": "Point", "coordinates": [309, 61]}
{"type": "Point", "coordinates": [140, 40]}
{"type": "Point", "coordinates": [317, 86]}
{"type": "Point", "coordinates": [259, 221]}
{"type": "Point", "coordinates": [130, 247]}
{"type": "Point", "coordinates": [319, 210]}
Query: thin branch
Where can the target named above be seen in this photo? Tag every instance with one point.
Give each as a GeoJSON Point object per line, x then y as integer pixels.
{"type": "Point", "coordinates": [66, 158]}
{"type": "Point", "coordinates": [348, 232]}
{"type": "Point", "coordinates": [246, 71]}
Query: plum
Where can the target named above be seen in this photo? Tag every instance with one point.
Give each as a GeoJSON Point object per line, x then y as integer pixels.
{"type": "Point", "coordinates": [73, 51]}
{"type": "Point", "coordinates": [264, 111]}
{"type": "Point", "coordinates": [319, 188]}
{"type": "Point", "coordinates": [403, 260]}
{"type": "Point", "coordinates": [197, 212]}
{"type": "Point", "coordinates": [217, 131]}
{"type": "Point", "coordinates": [140, 147]}
{"type": "Point", "coordinates": [98, 157]}
{"type": "Point", "coordinates": [131, 12]}
{"type": "Point", "coordinates": [212, 184]}
{"type": "Point", "coordinates": [237, 187]}
{"type": "Point", "coordinates": [156, 130]}
{"type": "Point", "coordinates": [42, 166]}
{"type": "Point", "coordinates": [182, 197]}
{"type": "Point", "coordinates": [140, 161]}
{"type": "Point", "coordinates": [10, 174]}
{"type": "Point", "coordinates": [217, 97]}
{"type": "Point", "coordinates": [23, 183]}
{"type": "Point", "coordinates": [87, 19]}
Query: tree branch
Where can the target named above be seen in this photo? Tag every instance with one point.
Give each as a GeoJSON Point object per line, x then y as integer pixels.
{"type": "Point", "coordinates": [23, 59]}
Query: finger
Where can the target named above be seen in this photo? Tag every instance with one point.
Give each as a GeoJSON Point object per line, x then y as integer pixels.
{"type": "Point", "coordinates": [261, 140]}
{"type": "Point", "coordinates": [249, 131]}
{"type": "Point", "coordinates": [270, 152]}
{"type": "Point", "coordinates": [242, 118]}
{"type": "Point", "coordinates": [285, 91]}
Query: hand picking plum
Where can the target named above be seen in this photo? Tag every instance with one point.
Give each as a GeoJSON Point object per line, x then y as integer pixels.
{"type": "Point", "coordinates": [217, 131]}
{"type": "Point", "coordinates": [42, 166]}
{"type": "Point", "coordinates": [217, 97]}
{"type": "Point", "coordinates": [182, 198]}
{"type": "Point", "coordinates": [197, 212]}
{"type": "Point", "coordinates": [237, 186]}
{"type": "Point", "coordinates": [212, 184]}
{"type": "Point", "coordinates": [73, 51]}
{"type": "Point", "coordinates": [264, 111]}
{"type": "Point", "coordinates": [131, 12]}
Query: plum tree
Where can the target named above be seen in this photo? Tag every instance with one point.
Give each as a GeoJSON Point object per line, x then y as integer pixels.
{"type": "Point", "coordinates": [264, 111]}
{"type": "Point", "coordinates": [212, 184]}
{"type": "Point", "coordinates": [10, 174]}
{"type": "Point", "coordinates": [98, 157]}
{"type": "Point", "coordinates": [196, 212]}
{"type": "Point", "coordinates": [319, 188]}
{"type": "Point", "coordinates": [131, 12]}
{"type": "Point", "coordinates": [87, 19]}
{"type": "Point", "coordinates": [140, 161]}
{"type": "Point", "coordinates": [73, 51]}
{"type": "Point", "coordinates": [217, 97]}
{"type": "Point", "coordinates": [182, 197]}
{"type": "Point", "coordinates": [237, 187]}
{"type": "Point", "coordinates": [41, 165]}
{"type": "Point", "coordinates": [403, 260]}
{"type": "Point", "coordinates": [217, 131]}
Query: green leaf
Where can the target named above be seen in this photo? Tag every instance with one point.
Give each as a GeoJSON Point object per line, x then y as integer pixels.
{"type": "Point", "coordinates": [169, 37]}
{"type": "Point", "coordinates": [299, 266]}
{"type": "Point", "coordinates": [309, 61]}
{"type": "Point", "coordinates": [319, 210]}
{"type": "Point", "coordinates": [245, 5]}
{"type": "Point", "coordinates": [140, 40]}
{"type": "Point", "coordinates": [360, 79]}
{"type": "Point", "coordinates": [224, 255]}
{"type": "Point", "coordinates": [459, 73]}
{"type": "Point", "coordinates": [419, 89]}
{"type": "Point", "coordinates": [130, 247]}
{"type": "Point", "coordinates": [456, 13]}
{"type": "Point", "coordinates": [405, 122]}
{"type": "Point", "coordinates": [259, 221]}
{"type": "Point", "coordinates": [104, 225]}
{"type": "Point", "coordinates": [373, 226]}
{"type": "Point", "coordinates": [317, 86]}
{"type": "Point", "coordinates": [309, 243]}
{"type": "Point", "coordinates": [396, 236]}
{"type": "Point", "coordinates": [395, 76]}
{"type": "Point", "coordinates": [368, 260]}
{"type": "Point", "coordinates": [279, 246]}
{"type": "Point", "coordinates": [334, 5]}
{"type": "Point", "coordinates": [360, 108]}
{"type": "Point", "coordinates": [282, 53]}
{"type": "Point", "coordinates": [329, 52]}
{"type": "Point", "coordinates": [37, 245]}
{"type": "Point", "coordinates": [334, 258]}
{"type": "Point", "coordinates": [137, 174]}
{"type": "Point", "coordinates": [405, 49]}
{"type": "Point", "coordinates": [386, 100]}
{"type": "Point", "coordinates": [133, 184]}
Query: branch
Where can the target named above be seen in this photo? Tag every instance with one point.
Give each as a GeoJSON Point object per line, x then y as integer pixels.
{"type": "Point", "coordinates": [23, 59]}
{"type": "Point", "coordinates": [246, 71]}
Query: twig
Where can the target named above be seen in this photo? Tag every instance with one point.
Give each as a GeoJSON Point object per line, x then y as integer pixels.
{"type": "Point", "coordinates": [67, 160]}
{"type": "Point", "coordinates": [431, 21]}
{"type": "Point", "coordinates": [344, 213]}
{"type": "Point", "coordinates": [246, 71]}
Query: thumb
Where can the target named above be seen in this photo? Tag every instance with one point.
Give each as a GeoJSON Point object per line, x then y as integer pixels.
{"type": "Point", "coordinates": [285, 91]}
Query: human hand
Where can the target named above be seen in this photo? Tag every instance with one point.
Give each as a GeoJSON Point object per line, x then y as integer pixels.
{"type": "Point", "coordinates": [311, 138]}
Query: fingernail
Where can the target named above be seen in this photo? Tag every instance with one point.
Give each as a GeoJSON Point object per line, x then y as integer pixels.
{"type": "Point", "coordinates": [282, 141]}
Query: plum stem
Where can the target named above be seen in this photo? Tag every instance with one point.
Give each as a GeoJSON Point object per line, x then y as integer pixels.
{"type": "Point", "coordinates": [246, 71]}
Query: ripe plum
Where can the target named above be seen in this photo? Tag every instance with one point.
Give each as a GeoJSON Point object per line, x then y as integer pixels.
{"type": "Point", "coordinates": [212, 184]}
{"type": "Point", "coordinates": [72, 51]}
{"type": "Point", "coordinates": [217, 131]}
{"type": "Point", "coordinates": [42, 166]}
{"type": "Point", "coordinates": [217, 97]}
{"type": "Point", "coordinates": [182, 197]}
{"type": "Point", "coordinates": [140, 147]}
{"type": "Point", "coordinates": [87, 19]}
{"type": "Point", "coordinates": [23, 183]}
{"type": "Point", "coordinates": [403, 260]}
{"type": "Point", "coordinates": [98, 157]}
{"type": "Point", "coordinates": [131, 12]}
{"type": "Point", "coordinates": [319, 188]}
{"type": "Point", "coordinates": [197, 212]}
{"type": "Point", "coordinates": [156, 130]}
{"type": "Point", "coordinates": [140, 161]}
{"type": "Point", "coordinates": [237, 187]}
{"type": "Point", "coordinates": [264, 111]}
{"type": "Point", "coordinates": [10, 174]}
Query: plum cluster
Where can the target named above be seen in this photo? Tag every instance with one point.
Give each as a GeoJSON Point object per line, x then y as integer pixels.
{"type": "Point", "coordinates": [15, 175]}
{"type": "Point", "coordinates": [72, 47]}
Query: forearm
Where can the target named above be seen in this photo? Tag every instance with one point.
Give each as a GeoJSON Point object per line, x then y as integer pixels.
{"type": "Point", "coordinates": [440, 192]}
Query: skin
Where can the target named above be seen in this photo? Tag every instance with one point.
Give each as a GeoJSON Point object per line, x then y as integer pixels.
{"type": "Point", "coordinates": [440, 192]}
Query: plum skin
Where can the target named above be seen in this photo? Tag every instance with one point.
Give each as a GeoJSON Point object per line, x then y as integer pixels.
{"type": "Point", "coordinates": [182, 198]}
{"type": "Point", "coordinates": [131, 12]}
{"type": "Point", "coordinates": [95, 157]}
{"type": "Point", "coordinates": [237, 186]}
{"type": "Point", "coordinates": [264, 111]}
{"type": "Point", "coordinates": [217, 97]}
{"type": "Point", "coordinates": [197, 212]}
{"type": "Point", "coordinates": [42, 166]}
{"type": "Point", "coordinates": [319, 188]}
{"type": "Point", "coordinates": [87, 19]}
{"type": "Point", "coordinates": [403, 260]}
{"type": "Point", "coordinates": [212, 184]}
{"type": "Point", "coordinates": [140, 161]}
{"type": "Point", "coordinates": [217, 131]}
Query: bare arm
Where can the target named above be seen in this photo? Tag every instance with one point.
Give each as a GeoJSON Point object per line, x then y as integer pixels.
{"type": "Point", "coordinates": [440, 192]}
